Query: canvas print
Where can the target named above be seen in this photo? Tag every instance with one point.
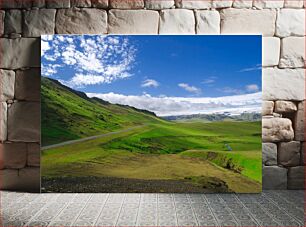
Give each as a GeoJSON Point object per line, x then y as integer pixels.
{"type": "Point", "coordinates": [124, 113]}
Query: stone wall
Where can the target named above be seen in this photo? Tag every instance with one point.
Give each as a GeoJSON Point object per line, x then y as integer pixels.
{"type": "Point", "coordinates": [281, 22]}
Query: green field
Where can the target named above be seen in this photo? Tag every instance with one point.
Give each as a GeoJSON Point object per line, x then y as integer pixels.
{"type": "Point", "coordinates": [193, 153]}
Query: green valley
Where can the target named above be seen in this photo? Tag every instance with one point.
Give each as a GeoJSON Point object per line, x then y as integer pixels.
{"type": "Point", "coordinates": [144, 153]}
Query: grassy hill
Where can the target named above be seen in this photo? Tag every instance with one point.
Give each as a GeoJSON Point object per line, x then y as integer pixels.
{"type": "Point", "coordinates": [157, 156]}
{"type": "Point", "coordinates": [68, 114]}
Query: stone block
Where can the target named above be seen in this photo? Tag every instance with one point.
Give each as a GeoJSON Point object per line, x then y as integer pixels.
{"type": "Point", "coordinates": [177, 21]}
{"type": "Point", "coordinates": [285, 107]}
{"type": "Point", "coordinates": [240, 4]}
{"type": "Point", "coordinates": [99, 3]}
{"type": "Point", "coordinates": [24, 122]}
{"type": "Point", "coordinates": [80, 3]}
{"type": "Point", "coordinates": [267, 108]}
{"type": "Point", "coordinates": [293, 52]}
{"type": "Point", "coordinates": [283, 84]}
{"type": "Point", "coordinates": [274, 177]}
{"type": "Point", "coordinates": [15, 4]}
{"type": "Point", "coordinates": [248, 21]}
{"type": "Point", "coordinates": [303, 160]}
{"type": "Point", "coordinates": [126, 4]}
{"type": "Point", "coordinates": [133, 22]}
{"type": "Point", "coordinates": [277, 129]}
{"type": "Point", "coordinates": [296, 176]}
{"type": "Point", "coordinates": [270, 51]}
{"type": "Point", "coordinates": [81, 21]}
{"type": "Point", "coordinates": [13, 155]}
{"type": "Point", "coordinates": [3, 121]}
{"type": "Point", "coordinates": [7, 82]}
{"type": "Point", "coordinates": [159, 4]}
{"type": "Point", "coordinates": [192, 4]}
{"type": "Point", "coordinates": [55, 4]}
{"type": "Point", "coordinates": [25, 180]}
{"type": "Point", "coordinates": [290, 22]}
{"type": "Point", "coordinates": [27, 86]}
{"type": "Point", "coordinates": [33, 154]}
{"type": "Point", "coordinates": [2, 14]}
{"type": "Point", "coordinates": [289, 153]}
{"type": "Point", "coordinates": [13, 21]}
{"type": "Point", "coordinates": [263, 4]}
{"type": "Point", "coordinates": [221, 3]}
{"type": "Point", "coordinates": [20, 53]}
{"type": "Point", "coordinates": [39, 22]}
{"type": "Point", "coordinates": [269, 154]}
{"type": "Point", "coordinates": [293, 3]}
{"type": "Point", "coordinates": [39, 3]}
{"type": "Point", "coordinates": [208, 22]}
{"type": "Point", "coordinates": [299, 122]}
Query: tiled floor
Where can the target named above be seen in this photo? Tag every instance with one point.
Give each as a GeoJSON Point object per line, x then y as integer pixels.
{"type": "Point", "coordinates": [271, 208]}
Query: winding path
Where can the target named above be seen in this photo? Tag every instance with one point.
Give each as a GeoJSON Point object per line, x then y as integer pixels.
{"type": "Point", "coordinates": [90, 138]}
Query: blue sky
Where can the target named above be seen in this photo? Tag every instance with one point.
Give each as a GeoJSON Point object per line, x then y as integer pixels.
{"type": "Point", "coordinates": [189, 67]}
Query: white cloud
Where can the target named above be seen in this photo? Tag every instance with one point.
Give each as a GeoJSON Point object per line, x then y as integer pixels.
{"type": "Point", "coordinates": [190, 88]}
{"type": "Point", "coordinates": [254, 68]}
{"type": "Point", "coordinates": [150, 83]}
{"type": "Point", "coordinates": [80, 80]}
{"type": "Point", "coordinates": [100, 58]}
{"type": "Point", "coordinates": [229, 90]}
{"type": "Point", "coordinates": [252, 88]}
{"type": "Point", "coordinates": [50, 69]}
{"type": "Point", "coordinates": [44, 47]}
{"type": "Point", "coordinates": [167, 106]}
{"type": "Point", "coordinates": [208, 81]}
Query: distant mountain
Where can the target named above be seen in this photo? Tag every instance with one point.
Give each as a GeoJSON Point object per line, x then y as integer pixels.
{"type": "Point", "coordinates": [216, 117]}
{"type": "Point", "coordinates": [68, 114]}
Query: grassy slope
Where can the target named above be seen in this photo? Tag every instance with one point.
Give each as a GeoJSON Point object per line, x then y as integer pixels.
{"type": "Point", "coordinates": [157, 150]}
{"type": "Point", "coordinates": [67, 116]}
{"type": "Point", "coordinates": [134, 154]}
